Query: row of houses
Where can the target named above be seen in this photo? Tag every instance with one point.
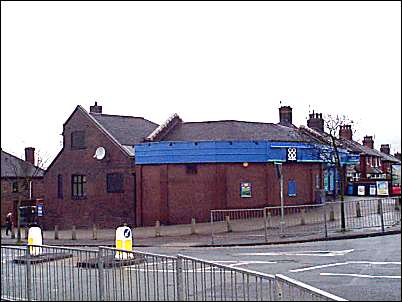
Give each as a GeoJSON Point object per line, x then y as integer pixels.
{"type": "Point", "coordinates": [117, 169]}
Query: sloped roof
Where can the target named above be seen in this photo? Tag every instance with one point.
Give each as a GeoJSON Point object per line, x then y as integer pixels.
{"type": "Point", "coordinates": [367, 150]}
{"type": "Point", "coordinates": [350, 145]}
{"type": "Point", "coordinates": [127, 130]}
{"type": "Point", "coordinates": [234, 130]}
{"type": "Point", "coordinates": [12, 166]}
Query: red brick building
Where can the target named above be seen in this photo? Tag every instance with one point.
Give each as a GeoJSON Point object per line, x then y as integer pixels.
{"type": "Point", "coordinates": [20, 179]}
{"type": "Point", "coordinates": [176, 192]}
{"type": "Point", "coordinates": [92, 179]}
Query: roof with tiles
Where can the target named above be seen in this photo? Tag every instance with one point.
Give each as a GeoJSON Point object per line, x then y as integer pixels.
{"type": "Point", "coordinates": [127, 130]}
{"type": "Point", "coordinates": [351, 145]}
{"type": "Point", "coordinates": [234, 130]}
{"type": "Point", "coordinates": [12, 166]}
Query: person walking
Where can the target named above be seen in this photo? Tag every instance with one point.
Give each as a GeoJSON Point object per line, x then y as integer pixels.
{"type": "Point", "coordinates": [9, 223]}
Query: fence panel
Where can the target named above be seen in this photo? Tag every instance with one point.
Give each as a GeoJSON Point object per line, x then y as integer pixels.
{"type": "Point", "coordinates": [238, 220]}
{"type": "Point", "coordinates": [297, 220]}
{"type": "Point", "coordinates": [138, 277]}
{"type": "Point", "coordinates": [208, 281]}
{"type": "Point", "coordinates": [13, 276]}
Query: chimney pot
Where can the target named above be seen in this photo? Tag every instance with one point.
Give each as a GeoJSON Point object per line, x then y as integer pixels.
{"type": "Point", "coordinates": [95, 108]}
{"type": "Point", "coordinates": [385, 149]}
{"type": "Point", "coordinates": [368, 141]}
{"type": "Point", "coordinates": [345, 131]}
{"type": "Point", "coordinates": [285, 115]}
{"type": "Point", "coordinates": [30, 155]}
{"type": "Point", "coordinates": [316, 122]}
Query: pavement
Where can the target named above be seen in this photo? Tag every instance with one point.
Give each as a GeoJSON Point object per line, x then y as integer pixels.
{"type": "Point", "coordinates": [187, 235]}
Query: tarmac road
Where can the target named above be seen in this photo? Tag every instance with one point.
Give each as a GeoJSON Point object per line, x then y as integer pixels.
{"type": "Point", "coordinates": [354, 269]}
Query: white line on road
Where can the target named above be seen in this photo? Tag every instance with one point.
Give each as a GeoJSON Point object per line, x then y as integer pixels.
{"type": "Point", "coordinates": [300, 253]}
{"type": "Point", "coordinates": [341, 263]}
{"type": "Point", "coordinates": [360, 276]}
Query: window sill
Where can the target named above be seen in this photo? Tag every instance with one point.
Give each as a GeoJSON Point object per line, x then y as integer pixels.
{"type": "Point", "coordinates": [78, 197]}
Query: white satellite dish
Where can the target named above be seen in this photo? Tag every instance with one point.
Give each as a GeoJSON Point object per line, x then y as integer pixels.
{"type": "Point", "coordinates": [100, 153]}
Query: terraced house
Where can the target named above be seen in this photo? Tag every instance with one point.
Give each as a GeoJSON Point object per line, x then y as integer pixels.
{"type": "Point", "coordinates": [21, 181]}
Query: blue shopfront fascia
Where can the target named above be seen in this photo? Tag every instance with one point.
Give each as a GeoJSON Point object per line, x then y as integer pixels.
{"type": "Point", "coordinates": [171, 152]}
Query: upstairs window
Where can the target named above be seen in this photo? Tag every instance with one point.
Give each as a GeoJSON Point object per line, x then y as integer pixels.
{"type": "Point", "coordinates": [78, 140]}
{"type": "Point", "coordinates": [78, 186]}
{"type": "Point", "coordinates": [114, 183]}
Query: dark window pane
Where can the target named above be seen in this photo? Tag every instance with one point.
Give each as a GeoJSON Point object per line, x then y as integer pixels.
{"type": "Point", "coordinates": [60, 186]}
{"type": "Point", "coordinates": [78, 140]}
{"type": "Point", "coordinates": [191, 169]}
{"type": "Point", "coordinates": [15, 187]}
{"type": "Point", "coordinates": [114, 183]}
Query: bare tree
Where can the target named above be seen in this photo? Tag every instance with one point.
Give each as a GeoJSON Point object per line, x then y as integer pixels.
{"type": "Point", "coordinates": [330, 149]}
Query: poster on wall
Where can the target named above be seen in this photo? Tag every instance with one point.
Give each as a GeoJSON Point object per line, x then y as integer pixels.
{"type": "Point", "coordinates": [245, 189]}
{"type": "Point", "coordinates": [396, 179]}
{"type": "Point", "coordinates": [372, 190]}
{"type": "Point", "coordinates": [361, 190]}
{"type": "Point", "coordinates": [382, 188]}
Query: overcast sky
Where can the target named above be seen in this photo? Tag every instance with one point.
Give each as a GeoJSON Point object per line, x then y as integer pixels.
{"type": "Point", "coordinates": [202, 60]}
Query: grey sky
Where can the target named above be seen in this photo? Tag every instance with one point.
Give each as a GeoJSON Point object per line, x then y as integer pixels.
{"type": "Point", "coordinates": [205, 61]}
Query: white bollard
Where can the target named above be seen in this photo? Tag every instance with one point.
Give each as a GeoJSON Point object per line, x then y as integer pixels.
{"type": "Point", "coordinates": [35, 238]}
{"type": "Point", "coordinates": [124, 241]}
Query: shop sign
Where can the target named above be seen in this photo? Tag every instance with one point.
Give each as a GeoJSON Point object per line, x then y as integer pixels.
{"type": "Point", "coordinates": [382, 188]}
{"type": "Point", "coordinates": [361, 190]}
{"type": "Point", "coordinates": [245, 189]}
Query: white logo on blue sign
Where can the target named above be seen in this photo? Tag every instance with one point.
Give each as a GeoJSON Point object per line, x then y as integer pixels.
{"type": "Point", "coordinates": [127, 233]}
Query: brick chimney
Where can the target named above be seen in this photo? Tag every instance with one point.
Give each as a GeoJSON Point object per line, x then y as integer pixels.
{"type": "Point", "coordinates": [363, 166]}
{"type": "Point", "coordinates": [285, 115]}
{"type": "Point", "coordinates": [316, 121]}
{"type": "Point", "coordinates": [368, 142]}
{"type": "Point", "coordinates": [345, 131]}
{"type": "Point", "coordinates": [385, 148]}
{"type": "Point", "coordinates": [95, 108]}
{"type": "Point", "coordinates": [30, 155]}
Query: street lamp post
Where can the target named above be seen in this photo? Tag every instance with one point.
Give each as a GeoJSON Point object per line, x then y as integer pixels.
{"type": "Point", "coordinates": [280, 175]}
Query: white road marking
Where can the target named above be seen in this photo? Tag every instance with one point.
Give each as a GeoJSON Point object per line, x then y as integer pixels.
{"type": "Point", "coordinates": [300, 253]}
{"type": "Point", "coordinates": [168, 266]}
{"type": "Point", "coordinates": [341, 263]}
{"type": "Point", "coordinates": [360, 276]}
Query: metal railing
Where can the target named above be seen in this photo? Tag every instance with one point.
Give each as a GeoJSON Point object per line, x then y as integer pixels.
{"type": "Point", "coordinates": [209, 281]}
{"type": "Point", "coordinates": [320, 220]}
{"type": "Point", "coordinates": [108, 274]}
{"type": "Point", "coordinates": [144, 276]}
{"type": "Point", "coordinates": [288, 289]}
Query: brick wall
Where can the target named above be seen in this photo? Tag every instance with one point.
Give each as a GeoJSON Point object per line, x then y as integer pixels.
{"type": "Point", "coordinates": [169, 194]}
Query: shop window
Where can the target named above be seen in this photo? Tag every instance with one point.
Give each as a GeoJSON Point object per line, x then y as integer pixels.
{"type": "Point", "coordinates": [114, 183]}
{"type": "Point", "coordinates": [78, 186]}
